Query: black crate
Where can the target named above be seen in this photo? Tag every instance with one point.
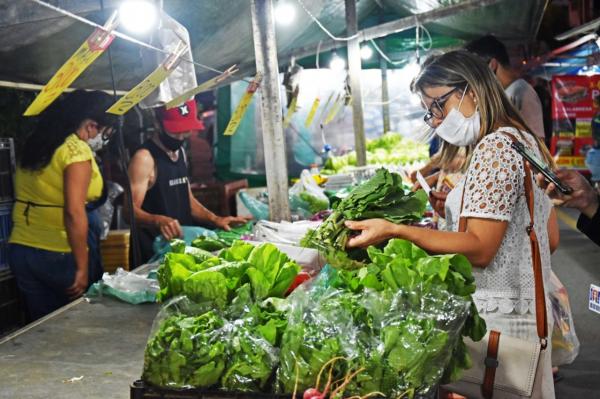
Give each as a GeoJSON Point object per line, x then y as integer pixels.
{"type": "Point", "coordinates": [7, 169]}
{"type": "Point", "coordinates": [12, 316]}
{"type": "Point", "coordinates": [143, 390]}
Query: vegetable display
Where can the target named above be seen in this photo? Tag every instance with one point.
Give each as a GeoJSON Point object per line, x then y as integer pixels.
{"type": "Point", "coordinates": [389, 149]}
{"type": "Point", "coordinates": [382, 196]}
{"type": "Point", "coordinates": [393, 327]}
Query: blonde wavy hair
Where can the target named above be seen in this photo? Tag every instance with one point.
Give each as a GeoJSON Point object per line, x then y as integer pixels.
{"type": "Point", "coordinates": [460, 69]}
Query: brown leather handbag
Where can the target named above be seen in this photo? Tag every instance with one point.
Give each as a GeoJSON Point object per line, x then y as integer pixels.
{"type": "Point", "coordinates": [507, 367]}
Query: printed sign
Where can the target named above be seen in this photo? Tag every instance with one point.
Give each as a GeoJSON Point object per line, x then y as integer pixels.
{"type": "Point", "coordinates": [242, 107]}
{"type": "Point", "coordinates": [92, 48]}
{"type": "Point", "coordinates": [594, 298]}
{"type": "Point", "coordinates": [572, 104]}
{"type": "Point", "coordinates": [208, 85]}
{"type": "Point", "coordinates": [149, 84]}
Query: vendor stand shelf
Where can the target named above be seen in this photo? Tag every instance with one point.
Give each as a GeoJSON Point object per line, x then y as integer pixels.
{"type": "Point", "coordinates": [101, 340]}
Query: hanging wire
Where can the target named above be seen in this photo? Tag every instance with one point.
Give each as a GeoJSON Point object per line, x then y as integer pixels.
{"type": "Point", "coordinates": [323, 28]}
{"type": "Point", "coordinates": [318, 52]}
{"type": "Point", "coordinates": [119, 34]}
{"type": "Point", "coordinates": [385, 57]}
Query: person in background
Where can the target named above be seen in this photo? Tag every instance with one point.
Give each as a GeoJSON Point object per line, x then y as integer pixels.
{"type": "Point", "coordinates": [158, 172]}
{"type": "Point", "coordinates": [56, 177]}
{"type": "Point", "coordinates": [467, 108]}
{"type": "Point", "coordinates": [542, 89]}
{"type": "Point", "coordinates": [592, 157]}
{"type": "Point", "coordinates": [584, 198]}
{"type": "Point", "coordinates": [520, 93]}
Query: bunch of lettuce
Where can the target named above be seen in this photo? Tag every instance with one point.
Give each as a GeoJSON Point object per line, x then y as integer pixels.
{"type": "Point", "coordinates": [186, 351]}
{"type": "Point", "coordinates": [389, 149]}
{"type": "Point", "coordinates": [210, 351]}
{"type": "Point", "coordinates": [204, 277]}
{"type": "Point", "coordinates": [382, 196]}
{"type": "Point", "coordinates": [403, 267]}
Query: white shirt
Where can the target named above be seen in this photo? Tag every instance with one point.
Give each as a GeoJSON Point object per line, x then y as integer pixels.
{"type": "Point", "coordinates": [495, 190]}
{"type": "Point", "coordinates": [526, 100]}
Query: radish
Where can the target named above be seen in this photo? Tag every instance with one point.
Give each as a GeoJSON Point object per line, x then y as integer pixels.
{"type": "Point", "coordinates": [312, 393]}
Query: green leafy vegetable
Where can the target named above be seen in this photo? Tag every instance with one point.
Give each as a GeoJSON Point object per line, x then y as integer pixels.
{"type": "Point", "coordinates": [186, 351]}
{"type": "Point", "coordinates": [380, 197]}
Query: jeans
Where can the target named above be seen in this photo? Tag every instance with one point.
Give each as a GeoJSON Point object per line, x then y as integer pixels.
{"type": "Point", "coordinates": [43, 277]}
{"type": "Point", "coordinates": [93, 241]}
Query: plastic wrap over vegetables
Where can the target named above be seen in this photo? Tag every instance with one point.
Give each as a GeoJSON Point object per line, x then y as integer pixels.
{"type": "Point", "coordinates": [368, 342]}
{"type": "Point", "coordinates": [192, 347]}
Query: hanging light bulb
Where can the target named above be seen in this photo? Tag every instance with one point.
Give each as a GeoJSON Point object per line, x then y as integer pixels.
{"type": "Point", "coordinates": [285, 13]}
{"type": "Point", "coordinates": [337, 63]}
{"type": "Point", "coordinates": [138, 16]}
{"type": "Point", "coordinates": [366, 52]}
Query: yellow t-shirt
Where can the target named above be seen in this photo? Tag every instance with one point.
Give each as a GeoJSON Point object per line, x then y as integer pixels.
{"type": "Point", "coordinates": [43, 226]}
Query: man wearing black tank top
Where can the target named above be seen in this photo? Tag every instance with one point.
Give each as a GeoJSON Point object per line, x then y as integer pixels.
{"type": "Point", "coordinates": [162, 198]}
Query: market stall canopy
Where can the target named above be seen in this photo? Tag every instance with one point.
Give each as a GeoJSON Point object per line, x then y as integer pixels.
{"type": "Point", "coordinates": [583, 59]}
{"type": "Point", "coordinates": [35, 41]}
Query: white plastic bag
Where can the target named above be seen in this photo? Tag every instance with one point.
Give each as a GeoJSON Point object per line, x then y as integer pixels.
{"type": "Point", "coordinates": [284, 232]}
{"type": "Point", "coordinates": [565, 344]}
{"type": "Point", "coordinates": [307, 194]}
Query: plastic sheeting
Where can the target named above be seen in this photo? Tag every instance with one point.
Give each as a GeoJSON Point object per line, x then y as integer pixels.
{"type": "Point", "coordinates": [34, 44]}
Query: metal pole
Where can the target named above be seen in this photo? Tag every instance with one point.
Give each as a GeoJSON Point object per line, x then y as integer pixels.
{"type": "Point", "coordinates": [265, 50]}
{"type": "Point", "coordinates": [354, 69]}
{"type": "Point", "coordinates": [385, 95]}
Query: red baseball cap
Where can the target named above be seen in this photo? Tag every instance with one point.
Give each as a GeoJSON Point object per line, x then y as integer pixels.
{"type": "Point", "coordinates": [180, 119]}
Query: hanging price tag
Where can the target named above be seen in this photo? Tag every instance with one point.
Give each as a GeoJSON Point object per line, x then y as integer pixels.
{"type": "Point", "coordinates": [312, 112]}
{"type": "Point", "coordinates": [149, 84]}
{"type": "Point", "coordinates": [292, 109]}
{"type": "Point", "coordinates": [240, 111]}
{"type": "Point", "coordinates": [209, 84]}
{"type": "Point", "coordinates": [325, 109]}
{"type": "Point", "coordinates": [88, 52]}
{"type": "Point", "coordinates": [335, 108]}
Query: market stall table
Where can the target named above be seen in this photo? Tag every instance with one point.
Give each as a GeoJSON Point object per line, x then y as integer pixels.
{"type": "Point", "coordinates": [101, 340]}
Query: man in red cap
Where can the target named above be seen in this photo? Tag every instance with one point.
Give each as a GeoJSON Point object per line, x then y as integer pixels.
{"type": "Point", "coordinates": [162, 198]}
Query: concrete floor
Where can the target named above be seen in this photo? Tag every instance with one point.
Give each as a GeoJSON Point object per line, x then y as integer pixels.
{"type": "Point", "coordinates": [577, 264]}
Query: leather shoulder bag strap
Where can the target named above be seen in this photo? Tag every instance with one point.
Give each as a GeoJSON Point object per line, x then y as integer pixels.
{"type": "Point", "coordinates": [540, 296]}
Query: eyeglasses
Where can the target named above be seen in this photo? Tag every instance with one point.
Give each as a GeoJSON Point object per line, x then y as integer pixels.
{"type": "Point", "coordinates": [436, 109]}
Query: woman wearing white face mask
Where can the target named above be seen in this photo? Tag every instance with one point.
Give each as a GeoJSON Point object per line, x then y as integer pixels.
{"type": "Point", "coordinates": [468, 110]}
{"type": "Point", "coordinates": [56, 176]}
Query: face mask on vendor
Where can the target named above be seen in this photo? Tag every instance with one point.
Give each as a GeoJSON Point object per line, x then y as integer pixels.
{"type": "Point", "coordinates": [103, 134]}
{"type": "Point", "coordinates": [171, 143]}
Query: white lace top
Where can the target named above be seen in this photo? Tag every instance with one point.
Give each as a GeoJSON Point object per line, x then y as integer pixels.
{"type": "Point", "coordinates": [494, 190]}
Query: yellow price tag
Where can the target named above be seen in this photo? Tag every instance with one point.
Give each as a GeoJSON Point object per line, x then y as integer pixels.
{"type": "Point", "coordinates": [292, 109]}
{"type": "Point", "coordinates": [149, 84]}
{"type": "Point", "coordinates": [325, 108]}
{"type": "Point", "coordinates": [335, 108]}
{"type": "Point", "coordinates": [312, 112]}
{"type": "Point", "coordinates": [242, 107]}
{"type": "Point", "coordinates": [88, 52]}
{"type": "Point", "coordinates": [209, 84]}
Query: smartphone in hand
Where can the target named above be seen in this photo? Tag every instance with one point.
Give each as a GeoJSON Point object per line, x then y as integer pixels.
{"type": "Point", "coordinates": [541, 167]}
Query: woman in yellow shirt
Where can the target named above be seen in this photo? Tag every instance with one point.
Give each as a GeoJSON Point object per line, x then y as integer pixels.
{"type": "Point", "coordinates": [57, 175]}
